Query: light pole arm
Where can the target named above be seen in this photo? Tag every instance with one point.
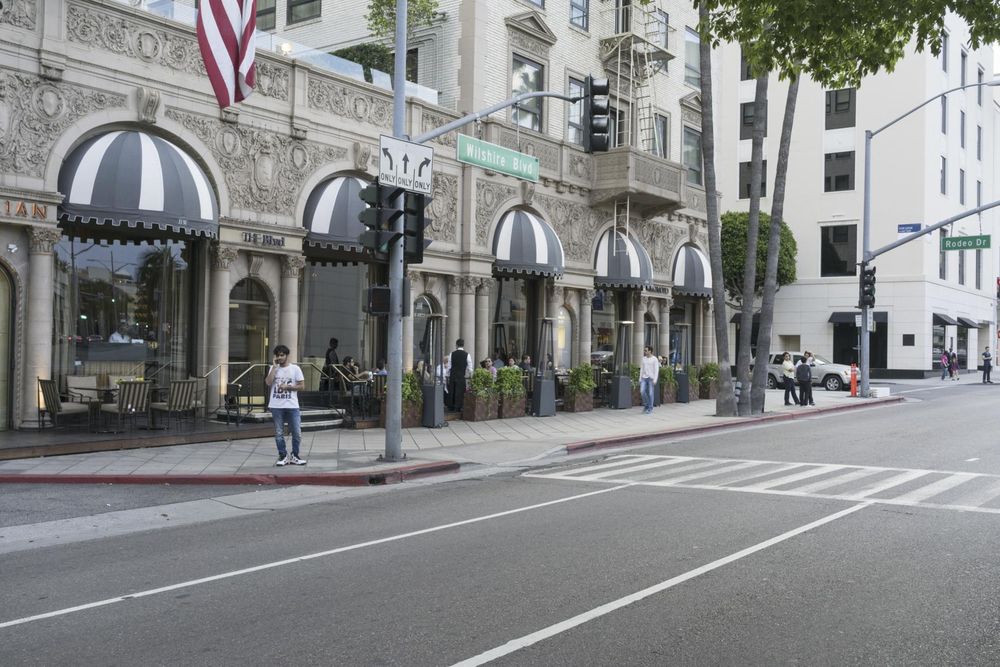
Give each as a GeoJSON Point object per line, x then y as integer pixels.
{"type": "Point", "coordinates": [465, 120]}
{"type": "Point", "coordinates": [931, 99]}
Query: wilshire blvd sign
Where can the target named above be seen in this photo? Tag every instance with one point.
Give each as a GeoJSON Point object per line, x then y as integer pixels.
{"type": "Point", "coordinates": [497, 158]}
{"type": "Point", "coordinates": [965, 242]}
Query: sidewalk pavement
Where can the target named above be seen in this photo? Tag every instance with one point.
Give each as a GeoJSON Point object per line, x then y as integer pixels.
{"type": "Point", "coordinates": [345, 457]}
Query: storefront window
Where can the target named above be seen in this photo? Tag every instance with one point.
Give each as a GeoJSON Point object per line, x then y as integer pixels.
{"type": "Point", "coordinates": [603, 323]}
{"type": "Point", "coordinates": [564, 339]}
{"type": "Point", "coordinates": [123, 309]}
{"type": "Point", "coordinates": [422, 310]}
{"type": "Point", "coordinates": [513, 303]}
{"type": "Point", "coordinates": [937, 345]}
{"type": "Point", "coordinates": [332, 299]}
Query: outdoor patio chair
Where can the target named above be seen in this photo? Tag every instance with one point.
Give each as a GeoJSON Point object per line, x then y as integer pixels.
{"type": "Point", "coordinates": [53, 405]}
{"type": "Point", "coordinates": [133, 400]}
{"type": "Point", "coordinates": [180, 400]}
{"type": "Point", "coordinates": [82, 388]}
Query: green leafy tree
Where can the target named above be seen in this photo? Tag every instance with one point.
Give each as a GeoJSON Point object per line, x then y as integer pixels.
{"type": "Point", "coordinates": [734, 253]}
{"type": "Point", "coordinates": [382, 15]}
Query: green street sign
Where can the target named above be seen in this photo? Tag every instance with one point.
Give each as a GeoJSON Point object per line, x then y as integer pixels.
{"type": "Point", "coordinates": [497, 158]}
{"type": "Point", "coordinates": [965, 242]}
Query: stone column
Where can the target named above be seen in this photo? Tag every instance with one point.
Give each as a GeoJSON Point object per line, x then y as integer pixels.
{"type": "Point", "coordinates": [416, 289]}
{"type": "Point", "coordinates": [468, 326]}
{"type": "Point", "coordinates": [454, 311]}
{"type": "Point", "coordinates": [586, 311]}
{"type": "Point", "coordinates": [38, 310]}
{"type": "Point", "coordinates": [217, 347]}
{"type": "Point", "coordinates": [288, 309]}
{"type": "Point", "coordinates": [484, 345]}
{"type": "Point", "coordinates": [665, 325]}
{"type": "Point", "coordinates": [556, 298]}
{"type": "Point", "coordinates": [639, 305]}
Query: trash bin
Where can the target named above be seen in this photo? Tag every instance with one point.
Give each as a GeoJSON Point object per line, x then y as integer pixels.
{"type": "Point", "coordinates": [683, 387]}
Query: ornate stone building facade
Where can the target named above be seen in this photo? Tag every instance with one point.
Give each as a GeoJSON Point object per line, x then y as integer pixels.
{"type": "Point", "coordinates": [133, 210]}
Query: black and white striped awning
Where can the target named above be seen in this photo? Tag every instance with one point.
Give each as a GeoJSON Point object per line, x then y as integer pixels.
{"type": "Point", "coordinates": [331, 215]}
{"type": "Point", "coordinates": [523, 243]}
{"type": "Point", "coordinates": [692, 272]}
{"type": "Point", "coordinates": [136, 182]}
{"type": "Point", "coordinates": [621, 261]}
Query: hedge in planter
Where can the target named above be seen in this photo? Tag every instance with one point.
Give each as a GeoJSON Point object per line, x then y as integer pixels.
{"type": "Point", "coordinates": [633, 374]}
{"type": "Point", "coordinates": [708, 380]}
{"type": "Point", "coordinates": [694, 384]}
{"type": "Point", "coordinates": [481, 398]}
{"type": "Point", "coordinates": [511, 390]}
{"type": "Point", "coordinates": [580, 389]}
{"type": "Point", "coordinates": [413, 403]}
{"type": "Point", "coordinates": [668, 385]}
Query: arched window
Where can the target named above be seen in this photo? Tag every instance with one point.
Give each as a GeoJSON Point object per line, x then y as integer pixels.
{"type": "Point", "coordinates": [422, 309]}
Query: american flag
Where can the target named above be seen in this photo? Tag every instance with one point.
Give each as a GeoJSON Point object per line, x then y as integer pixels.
{"type": "Point", "coordinates": [226, 38]}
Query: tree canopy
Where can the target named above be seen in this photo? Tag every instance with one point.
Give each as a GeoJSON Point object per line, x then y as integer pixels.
{"type": "Point", "coordinates": [734, 251]}
{"type": "Point", "coordinates": [382, 15]}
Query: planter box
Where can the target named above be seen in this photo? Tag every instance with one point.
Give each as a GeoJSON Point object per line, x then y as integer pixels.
{"type": "Point", "coordinates": [511, 407]}
{"type": "Point", "coordinates": [694, 392]}
{"type": "Point", "coordinates": [667, 394]}
{"type": "Point", "coordinates": [579, 402]}
{"type": "Point", "coordinates": [708, 389]}
{"type": "Point", "coordinates": [476, 409]}
{"type": "Point", "coordinates": [636, 397]}
{"type": "Point", "coordinates": [412, 417]}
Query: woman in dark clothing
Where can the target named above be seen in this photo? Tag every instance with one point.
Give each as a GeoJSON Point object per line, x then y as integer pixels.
{"type": "Point", "coordinates": [331, 359]}
{"type": "Point", "coordinates": [953, 366]}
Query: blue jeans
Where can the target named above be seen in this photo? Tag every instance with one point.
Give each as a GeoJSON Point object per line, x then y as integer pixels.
{"type": "Point", "coordinates": [294, 419]}
{"type": "Point", "coordinates": [646, 387]}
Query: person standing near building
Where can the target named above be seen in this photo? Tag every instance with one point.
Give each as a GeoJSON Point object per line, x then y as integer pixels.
{"type": "Point", "coordinates": [461, 367]}
{"type": "Point", "coordinates": [788, 377]}
{"type": "Point", "coordinates": [285, 381]}
{"type": "Point", "coordinates": [987, 365]}
{"type": "Point", "coordinates": [945, 364]}
{"type": "Point", "coordinates": [953, 365]}
{"type": "Point", "coordinates": [803, 373]}
{"type": "Point", "coordinates": [649, 375]}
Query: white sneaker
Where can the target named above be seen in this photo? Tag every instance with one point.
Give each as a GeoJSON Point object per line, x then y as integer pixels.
{"type": "Point", "coordinates": [283, 460]}
{"type": "Point", "coordinates": [296, 461]}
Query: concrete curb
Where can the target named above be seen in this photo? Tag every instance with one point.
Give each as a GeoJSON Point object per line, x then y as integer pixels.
{"type": "Point", "coordinates": [600, 443]}
{"type": "Point", "coordinates": [354, 478]}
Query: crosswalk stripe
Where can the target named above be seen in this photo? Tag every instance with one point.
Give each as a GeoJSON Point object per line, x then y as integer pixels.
{"type": "Point", "coordinates": [839, 480]}
{"type": "Point", "coordinates": [980, 497]}
{"type": "Point", "coordinates": [611, 463]}
{"type": "Point", "coordinates": [886, 484]}
{"type": "Point", "coordinates": [702, 473]}
{"type": "Point", "coordinates": [794, 477]}
{"type": "Point", "coordinates": [940, 486]}
{"type": "Point", "coordinates": [648, 466]}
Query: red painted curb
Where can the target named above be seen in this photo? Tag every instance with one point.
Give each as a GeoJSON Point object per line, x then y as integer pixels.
{"type": "Point", "coordinates": [574, 447]}
{"type": "Point", "coordinates": [359, 478]}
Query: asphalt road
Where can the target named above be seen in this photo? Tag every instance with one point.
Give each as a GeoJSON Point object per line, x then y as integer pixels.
{"type": "Point", "coordinates": [866, 537]}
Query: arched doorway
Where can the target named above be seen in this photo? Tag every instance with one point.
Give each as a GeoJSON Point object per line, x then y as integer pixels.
{"type": "Point", "coordinates": [6, 338]}
{"type": "Point", "coordinates": [249, 324]}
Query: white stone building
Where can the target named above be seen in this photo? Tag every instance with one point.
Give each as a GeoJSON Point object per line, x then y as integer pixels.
{"type": "Point", "coordinates": [932, 165]}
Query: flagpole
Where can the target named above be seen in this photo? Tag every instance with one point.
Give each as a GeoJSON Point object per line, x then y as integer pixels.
{"type": "Point", "coordinates": [394, 386]}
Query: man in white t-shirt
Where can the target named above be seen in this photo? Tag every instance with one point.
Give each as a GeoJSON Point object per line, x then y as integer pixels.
{"type": "Point", "coordinates": [285, 381]}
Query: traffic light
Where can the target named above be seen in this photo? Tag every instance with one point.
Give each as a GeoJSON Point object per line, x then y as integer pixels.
{"type": "Point", "coordinates": [867, 298]}
{"type": "Point", "coordinates": [414, 224]}
{"type": "Point", "coordinates": [596, 107]}
{"type": "Point", "coordinates": [379, 216]}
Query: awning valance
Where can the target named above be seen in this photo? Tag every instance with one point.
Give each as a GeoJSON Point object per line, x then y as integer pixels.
{"type": "Point", "coordinates": [943, 320]}
{"type": "Point", "coordinates": [847, 317]}
{"type": "Point", "coordinates": [967, 323]}
{"type": "Point", "coordinates": [136, 182]}
{"type": "Point", "coordinates": [524, 243]}
{"type": "Point", "coordinates": [331, 217]}
{"type": "Point", "coordinates": [735, 319]}
{"type": "Point", "coordinates": [621, 261]}
{"type": "Point", "coordinates": [692, 272]}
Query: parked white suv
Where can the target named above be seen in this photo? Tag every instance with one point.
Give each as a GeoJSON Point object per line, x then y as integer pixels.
{"type": "Point", "coordinates": [831, 376]}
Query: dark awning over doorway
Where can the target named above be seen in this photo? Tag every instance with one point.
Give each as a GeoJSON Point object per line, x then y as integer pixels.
{"type": "Point", "coordinates": [944, 320]}
{"type": "Point", "coordinates": [967, 323]}
{"type": "Point", "coordinates": [735, 319]}
{"type": "Point", "coordinates": [331, 218]}
{"type": "Point", "coordinates": [133, 181]}
{"type": "Point", "coordinates": [621, 261]}
{"type": "Point", "coordinates": [524, 243]}
{"type": "Point", "coordinates": [692, 272]}
{"type": "Point", "coordinates": [847, 316]}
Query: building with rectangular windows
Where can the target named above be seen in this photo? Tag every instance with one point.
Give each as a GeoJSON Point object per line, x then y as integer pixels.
{"type": "Point", "coordinates": [135, 211]}
{"type": "Point", "coordinates": [934, 164]}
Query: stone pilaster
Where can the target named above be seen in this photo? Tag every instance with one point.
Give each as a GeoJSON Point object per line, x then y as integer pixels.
{"type": "Point", "coordinates": [453, 308]}
{"type": "Point", "coordinates": [467, 287]}
{"type": "Point", "coordinates": [416, 289]}
{"type": "Point", "coordinates": [288, 309]}
{"type": "Point", "coordinates": [484, 327]}
{"type": "Point", "coordinates": [665, 326]}
{"type": "Point", "coordinates": [38, 332]}
{"type": "Point", "coordinates": [639, 305]}
{"type": "Point", "coordinates": [217, 348]}
{"type": "Point", "coordinates": [586, 312]}
{"type": "Point", "coordinates": [556, 299]}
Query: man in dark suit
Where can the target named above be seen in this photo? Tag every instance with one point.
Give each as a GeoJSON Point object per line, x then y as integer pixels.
{"type": "Point", "coordinates": [461, 367]}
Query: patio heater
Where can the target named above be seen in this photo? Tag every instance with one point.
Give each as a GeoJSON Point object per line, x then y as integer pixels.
{"type": "Point", "coordinates": [620, 396]}
{"type": "Point", "coordinates": [433, 380]}
{"type": "Point", "coordinates": [543, 397]}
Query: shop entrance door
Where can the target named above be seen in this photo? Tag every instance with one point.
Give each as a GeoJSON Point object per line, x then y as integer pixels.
{"type": "Point", "coordinates": [249, 336]}
{"type": "Point", "coordinates": [6, 336]}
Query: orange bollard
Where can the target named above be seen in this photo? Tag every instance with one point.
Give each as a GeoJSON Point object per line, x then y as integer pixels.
{"type": "Point", "coordinates": [854, 380]}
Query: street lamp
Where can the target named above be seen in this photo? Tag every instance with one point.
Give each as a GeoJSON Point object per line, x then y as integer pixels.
{"type": "Point", "coordinates": [866, 221]}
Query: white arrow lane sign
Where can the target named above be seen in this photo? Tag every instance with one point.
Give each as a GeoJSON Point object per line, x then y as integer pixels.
{"type": "Point", "coordinates": [406, 165]}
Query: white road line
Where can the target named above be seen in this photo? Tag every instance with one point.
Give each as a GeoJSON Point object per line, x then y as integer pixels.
{"type": "Point", "coordinates": [981, 497]}
{"type": "Point", "coordinates": [794, 477]}
{"type": "Point", "coordinates": [613, 462]}
{"type": "Point", "coordinates": [934, 488]}
{"type": "Point", "coordinates": [298, 559]}
{"type": "Point", "coordinates": [838, 480]}
{"type": "Point", "coordinates": [688, 465]}
{"type": "Point", "coordinates": [640, 465]}
{"type": "Point", "coordinates": [872, 488]}
{"type": "Point", "coordinates": [570, 623]}
{"type": "Point", "coordinates": [703, 473]}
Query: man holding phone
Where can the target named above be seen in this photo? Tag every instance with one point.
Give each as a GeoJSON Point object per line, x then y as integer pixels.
{"type": "Point", "coordinates": [285, 380]}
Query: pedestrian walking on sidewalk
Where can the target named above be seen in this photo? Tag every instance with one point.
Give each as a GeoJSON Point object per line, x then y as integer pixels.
{"type": "Point", "coordinates": [788, 378]}
{"type": "Point", "coordinates": [803, 373]}
{"type": "Point", "coordinates": [649, 374]}
{"type": "Point", "coordinates": [285, 380]}
{"type": "Point", "coordinates": [987, 365]}
{"type": "Point", "coordinates": [945, 364]}
{"type": "Point", "coordinates": [953, 366]}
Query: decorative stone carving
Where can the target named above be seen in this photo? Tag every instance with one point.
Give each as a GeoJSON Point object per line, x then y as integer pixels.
{"type": "Point", "coordinates": [587, 297]}
{"type": "Point", "coordinates": [292, 265]}
{"type": "Point", "coordinates": [489, 197]}
{"type": "Point", "coordinates": [656, 173]}
{"type": "Point", "coordinates": [346, 102]}
{"type": "Point", "coordinates": [575, 225]}
{"type": "Point", "coordinates": [223, 257]}
{"type": "Point", "coordinates": [525, 43]}
{"type": "Point", "coordinates": [264, 170]}
{"type": "Point", "coordinates": [661, 242]}
{"type": "Point", "coordinates": [147, 102]}
{"type": "Point", "coordinates": [432, 121]}
{"type": "Point", "coordinates": [34, 113]}
{"type": "Point", "coordinates": [416, 279]}
{"type": "Point", "coordinates": [43, 239]}
{"type": "Point", "coordinates": [467, 284]}
{"type": "Point", "coordinates": [19, 13]}
{"type": "Point", "coordinates": [443, 209]}
{"type": "Point", "coordinates": [256, 264]}
{"type": "Point", "coordinates": [546, 150]}
{"type": "Point", "coordinates": [665, 305]}
{"type": "Point", "coordinates": [299, 133]}
{"type": "Point", "coordinates": [229, 115]}
{"type": "Point", "coordinates": [272, 80]}
{"type": "Point", "coordinates": [454, 284]}
{"type": "Point", "coordinates": [486, 285]}
{"type": "Point", "coordinates": [558, 293]}
{"type": "Point", "coordinates": [692, 117]}
{"type": "Point", "coordinates": [362, 155]}
{"type": "Point", "coordinates": [581, 166]}
{"type": "Point", "coordinates": [527, 192]}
